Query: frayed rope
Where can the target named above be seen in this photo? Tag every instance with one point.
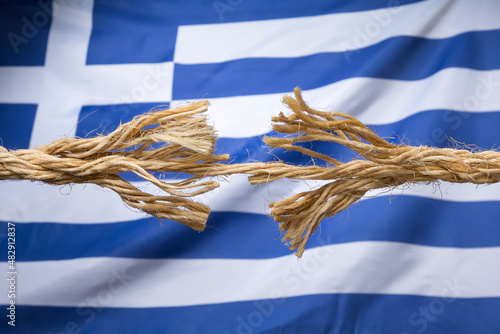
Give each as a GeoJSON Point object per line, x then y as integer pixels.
{"type": "Point", "coordinates": [187, 143]}
{"type": "Point", "coordinates": [384, 165]}
{"type": "Point", "coordinates": [188, 147]}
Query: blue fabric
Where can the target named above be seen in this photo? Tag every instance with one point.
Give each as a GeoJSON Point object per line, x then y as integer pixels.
{"type": "Point", "coordinates": [126, 33]}
{"type": "Point", "coordinates": [16, 123]}
{"type": "Point", "coordinates": [25, 28]}
{"type": "Point", "coordinates": [340, 314]}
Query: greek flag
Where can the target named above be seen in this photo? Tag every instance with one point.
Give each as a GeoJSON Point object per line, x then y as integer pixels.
{"type": "Point", "coordinates": [422, 258]}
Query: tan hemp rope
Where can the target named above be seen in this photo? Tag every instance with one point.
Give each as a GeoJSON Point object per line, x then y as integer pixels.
{"type": "Point", "coordinates": [381, 165]}
{"type": "Point", "coordinates": [188, 143]}
{"type": "Point", "coordinates": [189, 148]}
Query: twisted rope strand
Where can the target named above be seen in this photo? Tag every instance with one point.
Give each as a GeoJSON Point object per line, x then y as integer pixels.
{"type": "Point", "coordinates": [188, 144]}
{"type": "Point", "coordinates": [190, 150]}
{"type": "Point", "coordinates": [381, 165]}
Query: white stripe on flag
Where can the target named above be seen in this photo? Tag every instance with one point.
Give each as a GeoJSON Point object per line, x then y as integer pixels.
{"type": "Point", "coordinates": [100, 84]}
{"type": "Point", "coordinates": [360, 267]}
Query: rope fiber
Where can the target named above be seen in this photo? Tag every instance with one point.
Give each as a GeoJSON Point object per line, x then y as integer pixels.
{"type": "Point", "coordinates": [380, 165]}
{"type": "Point", "coordinates": [187, 145]}
{"type": "Point", "coordinates": [185, 142]}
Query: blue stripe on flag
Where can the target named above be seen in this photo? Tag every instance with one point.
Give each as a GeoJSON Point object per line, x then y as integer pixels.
{"type": "Point", "coordinates": [326, 313]}
{"type": "Point", "coordinates": [408, 219]}
{"type": "Point", "coordinates": [16, 123]}
{"type": "Point", "coordinates": [440, 128]}
{"type": "Point", "coordinates": [124, 32]}
{"type": "Point", "coordinates": [400, 58]}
